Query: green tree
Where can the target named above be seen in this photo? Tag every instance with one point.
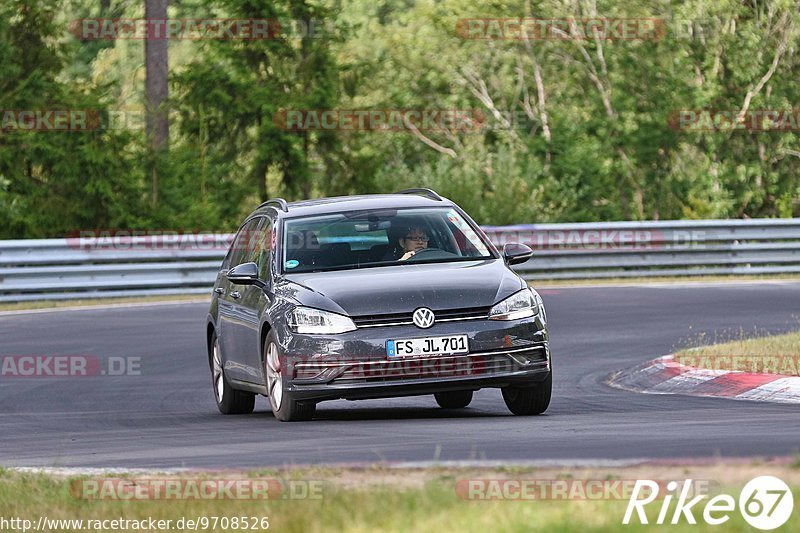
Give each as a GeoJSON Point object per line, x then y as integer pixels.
{"type": "Point", "coordinates": [53, 182]}
{"type": "Point", "coordinates": [228, 100]}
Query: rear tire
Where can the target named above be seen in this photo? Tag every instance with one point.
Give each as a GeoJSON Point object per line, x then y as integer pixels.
{"type": "Point", "coordinates": [453, 400]}
{"type": "Point", "coordinates": [284, 407]}
{"type": "Point", "coordinates": [229, 400]}
{"type": "Point", "coordinates": [531, 400]}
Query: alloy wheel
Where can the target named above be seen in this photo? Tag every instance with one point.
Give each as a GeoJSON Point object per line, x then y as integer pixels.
{"type": "Point", "coordinates": [217, 374]}
{"type": "Point", "coordinates": [274, 376]}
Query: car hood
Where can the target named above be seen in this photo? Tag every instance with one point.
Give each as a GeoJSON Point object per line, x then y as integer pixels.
{"type": "Point", "coordinates": [403, 288]}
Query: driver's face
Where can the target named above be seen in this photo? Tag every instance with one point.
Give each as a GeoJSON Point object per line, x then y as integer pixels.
{"type": "Point", "coordinates": [415, 240]}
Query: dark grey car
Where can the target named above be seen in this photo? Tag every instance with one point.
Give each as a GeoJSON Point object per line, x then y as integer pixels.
{"type": "Point", "coordinates": [373, 296]}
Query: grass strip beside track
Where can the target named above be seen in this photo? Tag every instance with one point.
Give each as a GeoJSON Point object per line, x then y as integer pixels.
{"type": "Point", "coordinates": [392, 499]}
{"type": "Point", "coordinates": [92, 302]}
{"type": "Point", "coordinates": [659, 280]}
{"type": "Point", "coordinates": [778, 354]}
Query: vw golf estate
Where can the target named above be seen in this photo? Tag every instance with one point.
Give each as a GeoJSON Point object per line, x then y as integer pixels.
{"type": "Point", "coordinates": [370, 297]}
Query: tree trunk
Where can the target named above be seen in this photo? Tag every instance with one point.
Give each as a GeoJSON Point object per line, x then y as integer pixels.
{"type": "Point", "coordinates": [156, 89]}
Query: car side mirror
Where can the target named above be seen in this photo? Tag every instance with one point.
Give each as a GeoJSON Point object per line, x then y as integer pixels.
{"type": "Point", "coordinates": [245, 274]}
{"type": "Point", "coordinates": [515, 253]}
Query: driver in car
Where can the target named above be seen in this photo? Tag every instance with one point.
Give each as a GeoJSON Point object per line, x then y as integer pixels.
{"type": "Point", "coordinates": [415, 239]}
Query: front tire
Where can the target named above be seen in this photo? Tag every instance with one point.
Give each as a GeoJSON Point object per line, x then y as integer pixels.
{"type": "Point", "coordinates": [229, 400]}
{"type": "Point", "coordinates": [530, 400]}
{"type": "Point", "coordinates": [284, 407]}
{"type": "Point", "coordinates": [453, 400]}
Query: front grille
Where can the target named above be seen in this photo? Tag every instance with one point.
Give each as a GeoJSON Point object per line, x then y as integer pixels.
{"type": "Point", "coordinates": [382, 320]}
{"type": "Point", "coordinates": [465, 313]}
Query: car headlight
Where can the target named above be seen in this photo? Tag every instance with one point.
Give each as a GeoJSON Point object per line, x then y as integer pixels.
{"type": "Point", "coordinates": [521, 304]}
{"type": "Point", "coordinates": [308, 320]}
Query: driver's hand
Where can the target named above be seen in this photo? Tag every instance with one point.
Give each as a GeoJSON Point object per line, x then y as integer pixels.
{"type": "Point", "coordinates": [407, 255]}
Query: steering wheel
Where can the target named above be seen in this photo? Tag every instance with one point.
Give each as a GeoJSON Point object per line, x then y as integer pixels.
{"type": "Point", "coordinates": [431, 253]}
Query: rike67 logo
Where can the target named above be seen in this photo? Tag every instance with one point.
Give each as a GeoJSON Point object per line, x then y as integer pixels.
{"type": "Point", "coordinates": [765, 503]}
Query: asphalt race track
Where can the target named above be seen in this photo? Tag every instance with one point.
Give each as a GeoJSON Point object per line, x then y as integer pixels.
{"type": "Point", "coordinates": [166, 416]}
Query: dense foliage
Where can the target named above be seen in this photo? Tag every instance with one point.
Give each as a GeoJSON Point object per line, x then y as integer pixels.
{"type": "Point", "coordinates": [569, 129]}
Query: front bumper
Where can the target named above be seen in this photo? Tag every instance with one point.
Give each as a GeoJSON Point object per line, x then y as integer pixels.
{"type": "Point", "coordinates": [355, 365]}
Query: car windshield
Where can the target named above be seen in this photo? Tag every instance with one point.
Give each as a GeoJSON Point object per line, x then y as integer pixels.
{"type": "Point", "coordinates": [372, 238]}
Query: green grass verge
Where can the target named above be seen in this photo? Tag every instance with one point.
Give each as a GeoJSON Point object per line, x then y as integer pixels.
{"type": "Point", "coordinates": [776, 354]}
{"type": "Point", "coordinates": [366, 501]}
{"type": "Point", "coordinates": [660, 279]}
{"type": "Point", "coordinates": [55, 304]}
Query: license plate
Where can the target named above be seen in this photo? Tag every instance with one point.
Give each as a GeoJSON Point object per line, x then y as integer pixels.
{"type": "Point", "coordinates": [424, 346]}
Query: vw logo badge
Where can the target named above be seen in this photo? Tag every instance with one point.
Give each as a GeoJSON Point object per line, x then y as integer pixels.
{"type": "Point", "coordinates": [423, 317]}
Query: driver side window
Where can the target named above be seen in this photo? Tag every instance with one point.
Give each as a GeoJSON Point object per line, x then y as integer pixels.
{"type": "Point", "coordinates": [244, 245]}
{"type": "Point", "coordinates": [263, 249]}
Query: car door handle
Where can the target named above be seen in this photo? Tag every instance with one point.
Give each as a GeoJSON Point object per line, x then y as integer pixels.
{"type": "Point", "coordinates": [219, 290]}
{"type": "Point", "coordinates": [236, 295]}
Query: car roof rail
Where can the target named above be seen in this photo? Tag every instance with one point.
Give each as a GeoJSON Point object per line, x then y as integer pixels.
{"type": "Point", "coordinates": [279, 201]}
{"type": "Point", "coordinates": [430, 193]}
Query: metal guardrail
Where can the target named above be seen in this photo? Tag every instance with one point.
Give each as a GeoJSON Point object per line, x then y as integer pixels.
{"type": "Point", "coordinates": [168, 264]}
{"type": "Point", "coordinates": [657, 248]}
